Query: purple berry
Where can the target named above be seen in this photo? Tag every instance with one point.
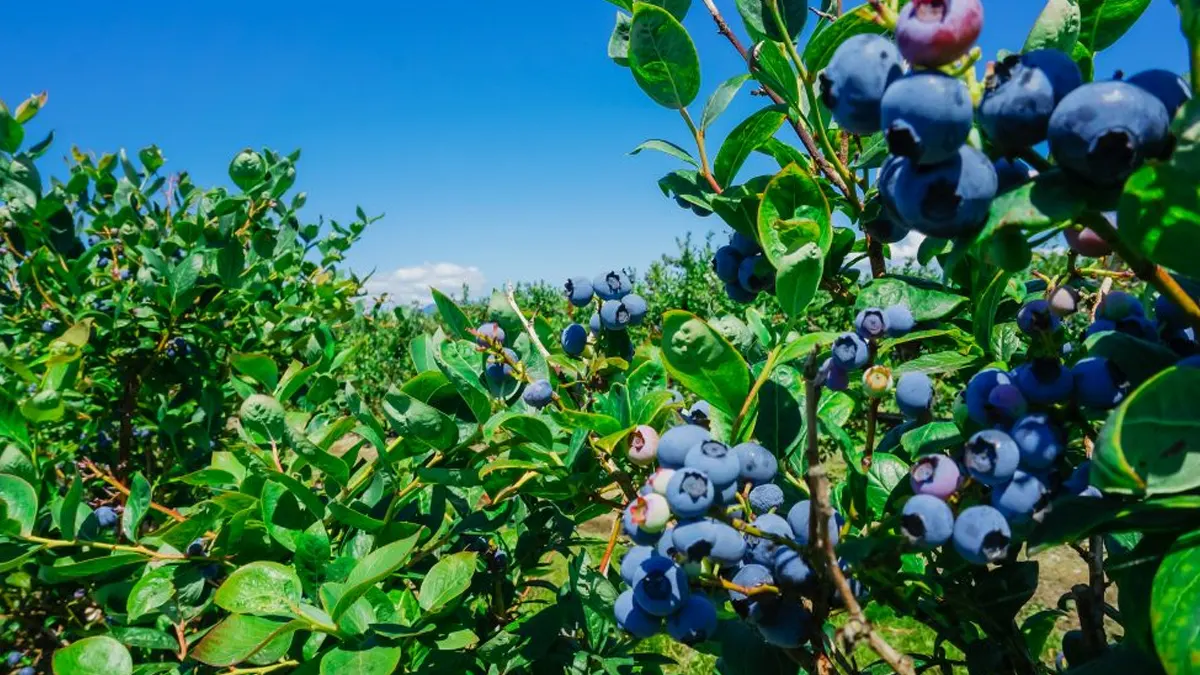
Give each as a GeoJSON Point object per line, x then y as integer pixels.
{"type": "Point", "coordinates": [612, 285]}
{"type": "Point", "coordinates": [726, 263]}
{"type": "Point", "coordinates": [1011, 174]}
{"type": "Point", "coordinates": [1006, 404]}
{"type": "Point", "coordinates": [850, 352]}
{"type": "Point", "coordinates": [1021, 95]}
{"type": "Point", "coordinates": [690, 493]}
{"type": "Point", "coordinates": [1039, 443]}
{"type": "Point", "coordinates": [539, 394]}
{"type": "Point", "coordinates": [766, 498]}
{"type": "Point", "coordinates": [695, 622]}
{"type": "Point", "coordinates": [579, 291]}
{"type": "Point", "coordinates": [834, 376]}
{"type": "Point", "coordinates": [886, 230]}
{"type": "Point", "coordinates": [106, 517]}
{"type": "Point", "coordinates": [662, 587]}
{"type": "Point", "coordinates": [488, 333]}
{"type": "Point", "coordinates": [1044, 381]}
{"type": "Point", "coordinates": [914, 395]}
{"type": "Point", "coordinates": [1036, 318]}
{"type": "Point", "coordinates": [574, 339]}
{"type": "Point", "coordinates": [786, 625]}
{"type": "Point", "coordinates": [935, 475]}
{"type": "Point", "coordinates": [637, 308]}
{"type": "Point", "coordinates": [614, 315]}
{"type": "Point", "coordinates": [1166, 86]}
{"type": "Point", "coordinates": [632, 561]}
{"type": "Point", "coordinates": [871, 323]}
{"type": "Point", "coordinates": [798, 519]}
{"type": "Point", "coordinates": [716, 460]}
{"type": "Point", "coordinates": [1020, 498]}
{"type": "Point", "coordinates": [1099, 383]}
{"type": "Point", "coordinates": [758, 465]}
{"type": "Point", "coordinates": [1119, 305]}
{"type": "Point", "coordinates": [934, 33]}
{"type": "Point", "coordinates": [900, 320]}
{"type": "Point", "coordinates": [761, 550]}
{"type": "Point", "coordinates": [947, 200]}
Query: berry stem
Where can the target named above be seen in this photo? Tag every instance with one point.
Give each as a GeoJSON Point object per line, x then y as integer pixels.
{"type": "Point", "coordinates": [769, 366]}
{"type": "Point", "coordinates": [718, 582]}
{"type": "Point", "coordinates": [120, 487]}
{"type": "Point", "coordinates": [869, 450]}
{"type": "Point", "coordinates": [701, 149]}
{"type": "Point", "coordinates": [606, 560]}
{"type": "Point", "coordinates": [262, 670]}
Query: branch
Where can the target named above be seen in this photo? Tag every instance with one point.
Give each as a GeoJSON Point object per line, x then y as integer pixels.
{"type": "Point", "coordinates": [510, 293]}
{"type": "Point", "coordinates": [701, 149]}
{"type": "Point", "coordinates": [120, 487]}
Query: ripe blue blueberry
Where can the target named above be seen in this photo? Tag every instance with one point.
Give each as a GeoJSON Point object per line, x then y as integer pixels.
{"type": "Point", "coordinates": [914, 395]}
{"type": "Point", "coordinates": [758, 465]}
{"type": "Point", "coordinates": [754, 273]}
{"type": "Point", "coordinates": [612, 285]}
{"type": "Point", "coordinates": [1035, 318]}
{"type": "Point", "coordinates": [106, 517]}
{"type": "Point", "coordinates": [927, 521]}
{"type": "Point", "coordinates": [934, 33]}
{"type": "Point", "coordinates": [1166, 86]}
{"type": "Point", "coordinates": [699, 414]}
{"type": "Point", "coordinates": [766, 498]}
{"type": "Point", "coordinates": [196, 548]}
{"type": "Point", "coordinates": [690, 492]}
{"type": "Point", "coordinates": [49, 326]}
{"type": "Point", "coordinates": [1006, 404]}
{"type": "Point", "coordinates": [614, 315]}
{"type": "Point", "coordinates": [791, 569]}
{"type": "Point", "coordinates": [1139, 327]}
{"type": "Point", "coordinates": [900, 320]}
{"type": "Point", "coordinates": [744, 245]}
{"type": "Point", "coordinates": [594, 324]}
{"type": "Point", "coordinates": [834, 377]}
{"type": "Point", "coordinates": [935, 475]}
{"type": "Point", "coordinates": [673, 446]}
{"type": "Point", "coordinates": [871, 323]}
{"type": "Point", "coordinates": [981, 535]}
{"type": "Point", "coordinates": [1021, 95]}
{"type": "Point", "coordinates": [798, 518]}
{"type": "Point", "coordinates": [574, 339]}
{"type": "Point", "coordinates": [1020, 498]}
{"type": "Point", "coordinates": [889, 174]}
{"type": "Point", "coordinates": [1080, 478]}
{"type": "Point", "coordinates": [784, 624]}
{"type": "Point", "coordinates": [850, 352]}
{"type": "Point", "coordinates": [662, 587]}
{"type": "Point", "coordinates": [762, 550]}
{"type": "Point", "coordinates": [579, 291]}
{"type": "Point", "coordinates": [1168, 313]}
{"type": "Point", "coordinates": [1039, 442]}
{"type": "Point", "coordinates": [695, 622]}
{"type": "Point", "coordinates": [1011, 174]}
{"type": "Point", "coordinates": [886, 230]}
{"type": "Point", "coordinates": [632, 562]}
{"type": "Point", "coordinates": [632, 619]}
{"type": "Point", "coordinates": [499, 371]}
{"type": "Point", "coordinates": [715, 459]}
{"type": "Point", "coordinates": [751, 575]}
{"type": "Point", "coordinates": [1103, 131]}
{"type": "Point", "coordinates": [489, 333]}
{"type": "Point", "coordinates": [726, 262]}
{"type": "Point", "coordinates": [738, 294]}
{"type": "Point", "coordinates": [946, 200]}
{"type": "Point", "coordinates": [1043, 381]}
{"type": "Point", "coordinates": [1119, 305]}
{"type": "Point", "coordinates": [927, 116]}
{"type": "Point", "coordinates": [991, 457]}
{"type": "Point", "coordinates": [666, 544]}
{"type": "Point", "coordinates": [538, 394]}
{"type": "Point", "coordinates": [702, 538]}
{"type": "Point", "coordinates": [854, 82]}
{"type": "Point", "coordinates": [1099, 383]}
{"type": "Point", "coordinates": [13, 658]}
{"type": "Point", "coordinates": [637, 308]}
{"type": "Point", "coordinates": [27, 670]}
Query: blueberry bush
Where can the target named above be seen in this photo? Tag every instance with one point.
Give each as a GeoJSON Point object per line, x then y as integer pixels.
{"type": "Point", "coordinates": [220, 458]}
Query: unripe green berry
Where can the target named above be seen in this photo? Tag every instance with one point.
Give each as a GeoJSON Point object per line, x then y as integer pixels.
{"type": "Point", "coordinates": [877, 381]}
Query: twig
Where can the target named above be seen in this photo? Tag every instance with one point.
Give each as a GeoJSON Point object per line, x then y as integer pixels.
{"type": "Point", "coordinates": [701, 149]}
{"type": "Point", "coordinates": [746, 528]}
{"type": "Point", "coordinates": [510, 293]}
{"type": "Point", "coordinates": [869, 450]}
{"type": "Point", "coordinates": [1091, 613]}
{"type": "Point", "coordinates": [750, 397]}
{"type": "Point", "coordinates": [263, 670]}
{"type": "Point", "coordinates": [606, 560]}
{"type": "Point", "coordinates": [120, 487]}
{"type": "Point", "coordinates": [718, 582]}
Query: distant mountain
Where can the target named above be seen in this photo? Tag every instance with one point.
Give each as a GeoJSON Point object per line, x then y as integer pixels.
{"type": "Point", "coordinates": [430, 309]}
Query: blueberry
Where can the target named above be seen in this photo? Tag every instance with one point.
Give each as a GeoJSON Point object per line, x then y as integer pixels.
{"type": "Point", "coordinates": [632, 619]}
{"type": "Point", "coordinates": [14, 658]}
{"type": "Point", "coordinates": [106, 517]}
{"type": "Point", "coordinates": [196, 548]}
{"type": "Point", "coordinates": [489, 333]}
{"type": "Point", "coordinates": [27, 670]}
{"type": "Point", "coordinates": [1166, 86]}
{"type": "Point", "coordinates": [124, 275]}
{"type": "Point", "coordinates": [629, 524]}
{"type": "Point", "coordinates": [926, 117]}
{"type": "Point", "coordinates": [659, 480]}
{"type": "Point", "coordinates": [49, 326]}
{"type": "Point", "coordinates": [674, 445]}
{"type": "Point", "coordinates": [754, 274]}
{"type": "Point", "coordinates": [1021, 95]}
{"type": "Point", "coordinates": [594, 323]}
{"type": "Point", "coordinates": [946, 200]}
{"type": "Point", "coordinates": [1167, 312]}
{"type": "Point", "coordinates": [981, 535]}
{"type": "Point", "coordinates": [498, 370]}
{"type": "Point", "coordinates": [854, 82]}
{"type": "Point", "coordinates": [834, 377]}
{"type": "Point", "coordinates": [695, 622]}
{"type": "Point", "coordinates": [1189, 362]}
{"type": "Point", "coordinates": [497, 561]}
{"type": "Point", "coordinates": [574, 339]}
{"type": "Point", "coordinates": [791, 569]}
{"type": "Point", "coordinates": [900, 320]}
{"type": "Point", "coordinates": [738, 294]}
{"type": "Point", "coordinates": [1043, 381]}
{"type": "Point", "coordinates": [934, 33]}
{"type": "Point", "coordinates": [1103, 131]}
{"type": "Point", "coordinates": [757, 464]}
{"type": "Point", "coordinates": [579, 291]}
{"type": "Point", "coordinates": [1064, 301]}
{"type": "Point", "coordinates": [751, 575]}
{"type": "Point", "coordinates": [935, 475]}
{"type": "Point", "coordinates": [991, 457]}
{"type": "Point", "coordinates": [1020, 498]}
{"type": "Point", "coordinates": [914, 395]}
{"type": "Point", "coordinates": [1119, 305]}
{"type": "Point", "coordinates": [539, 394]}
{"type": "Point", "coordinates": [1100, 326]}
{"type": "Point", "coordinates": [927, 521]}
{"type": "Point", "coordinates": [637, 308]}
{"type": "Point", "coordinates": [850, 352]}
{"type": "Point", "coordinates": [649, 512]}
{"type": "Point", "coordinates": [614, 315]}
{"type": "Point", "coordinates": [877, 381]}
{"type": "Point", "coordinates": [1011, 174]}
{"type": "Point", "coordinates": [798, 518]}
{"type": "Point", "coordinates": [744, 245]}
{"type": "Point", "coordinates": [631, 563]}
{"type": "Point", "coordinates": [643, 445]}
{"type": "Point", "coordinates": [612, 285]}
{"type": "Point", "coordinates": [726, 263]}
{"type": "Point", "coordinates": [661, 588]}
{"type": "Point", "coordinates": [871, 323]}
{"type": "Point", "coordinates": [700, 413]}
{"type": "Point", "coordinates": [1038, 441]}
{"type": "Point", "coordinates": [702, 538]}
{"type": "Point", "coordinates": [766, 498]}
{"type": "Point", "coordinates": [1006, 404]}
{"type": "Point", "coordinates": [1035, 318]}
{"type": "Point", "coordinates": [170, 352]}
{"type": "Point", "coordinates": [1099, 383]}
{"type": "Point", "coordinates": [1087, 242]}
{"type": "Point", "coordinates": [886, 181]}
{"type": "Point", "coordinates": [784, 624]}
{"type": "Point", "coordinates": [886, 230]}
{"type": "Point", "coordinates": [762, 550]}
{"type": "Point", "coordinates": [1080, 478]}
{"type": "Point", "coordinates": [690, 492]}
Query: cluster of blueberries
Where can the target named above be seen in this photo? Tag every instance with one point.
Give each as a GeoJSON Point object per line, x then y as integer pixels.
{"type": "Point", "coordinates": [854, 351]}
{"type": "Point", "coordinates": [936, 184]}
{"type": "Point", "coordinates": [619, 307]}
{"type": "Point", "coordinates": [14, 659]}
{"type": "Point", "coordinates": [744, 269]}
{"type": "Point", "coordinates": [689, 530]}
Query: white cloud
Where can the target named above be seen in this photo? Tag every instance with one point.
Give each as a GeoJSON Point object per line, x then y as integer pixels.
{"type": "Point", "coordinates": [405, 285]}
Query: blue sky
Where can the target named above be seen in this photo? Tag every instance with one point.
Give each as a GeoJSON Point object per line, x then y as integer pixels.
{"type": "Point", "coordinates": [493, 135]}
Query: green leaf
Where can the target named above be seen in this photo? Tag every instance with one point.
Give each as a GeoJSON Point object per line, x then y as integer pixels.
{"type": "Point", "coordinates": [939, 362]}
{"type": "Point", "coordinates": [745, 139]}
{"type": "Point", "coordinates": [66, 569]}
{"type": "Point", "coordinates": [662, 57]}
{"type": "Point", "coordinates": [11, 132]}
{"type": "Point", "coordinates": [182, 282]}
{"type": "Point", "coordinates": [666, 147]}
{"type": "Point", "coordinates": [333, 467]}
{"type": "Point", "coordinates": [136, 506]}
{"type": "Point", "coordinates": [259, 367]}
{"type": "Point", "coordinates": [720, 100]}
{"type": "Point", "coordinates": [99, 655]}
{"type": "Point", "coordinates": [150, 592]}
{"type": "Point", "coordinates": [760, 21]}
{"type": "Point", "coordinates": [926, 301]}
{"type": "Point", "coordinates": [448, 579]}
{"type": "Point", "coordinates": [793, 212]}
{"type": "Point", "coordinates": [20, 503]}
{"type": "Point", "coordinates": [456, 321]}
{"type": "Point", "coordinates": [771, 67]}
{"type": "Point", "coordinates": [1173, 607]}
{"type": "Point", "coordinates": [802, 346]}
{"type": "Point", "coordinates": [1050, 199]}
{"type": "Point", "coordinates": [145, 638]}
{"type": "Point", "coordinates": [932, 437]}
{"type": "Point", "coordinates": [983, 318]}
{"type": "Point", "coordinates": [411, 418]}
{"type": "Point", "coordinates": [1151, 443]}
{"type": "Point", "coordinates": [798, 279]}
{"type": "Point", "coordinates": [455, 358]}
{"type": "Point", "coordinates": [780, 409]}
{"type": "Point", "coordinates": [1037, 629]}
{"type": "Point", "coordinates": [703, 361]}
{"type": "Point", "coordinates": [377, 566]}
{"type": "Point", "coordinates": [886, 472]}
{"type": "Point", "coordinates": [1138, 359]}
{"type": "Point", "coordinates": [1078, 518]}
{"type": "Point", "coordinates": [1105, 21]}
{"type": "Point", "coordinates": [618, 42]}
{"type": "Point", "coordinates": [1057, 27]}
{"type": "Point", "coordinates": [368, 661]}
{"type": "Point", "coordinates": [829, 36]}
{"type": "Point", "coordinates": [68, 510]}
{"type": "Point", "coordinates": [240, 637]}
{"type": "Point", "coordinates": [260, 588]}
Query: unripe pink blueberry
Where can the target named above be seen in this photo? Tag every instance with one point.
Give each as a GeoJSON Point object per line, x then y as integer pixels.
{"type": "Point", "coordinates": [1087, 243]}
{"type": "Point", "coordinates": [651, 512]}
{"type": "Point", "coordinates": [935, 475]}
{"type": "Point", "coordinates": [659, 480]}
{"type": "Point", "coordinates": [643, 445]}
{"type": "Point", "coordinates": [933, 33]}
